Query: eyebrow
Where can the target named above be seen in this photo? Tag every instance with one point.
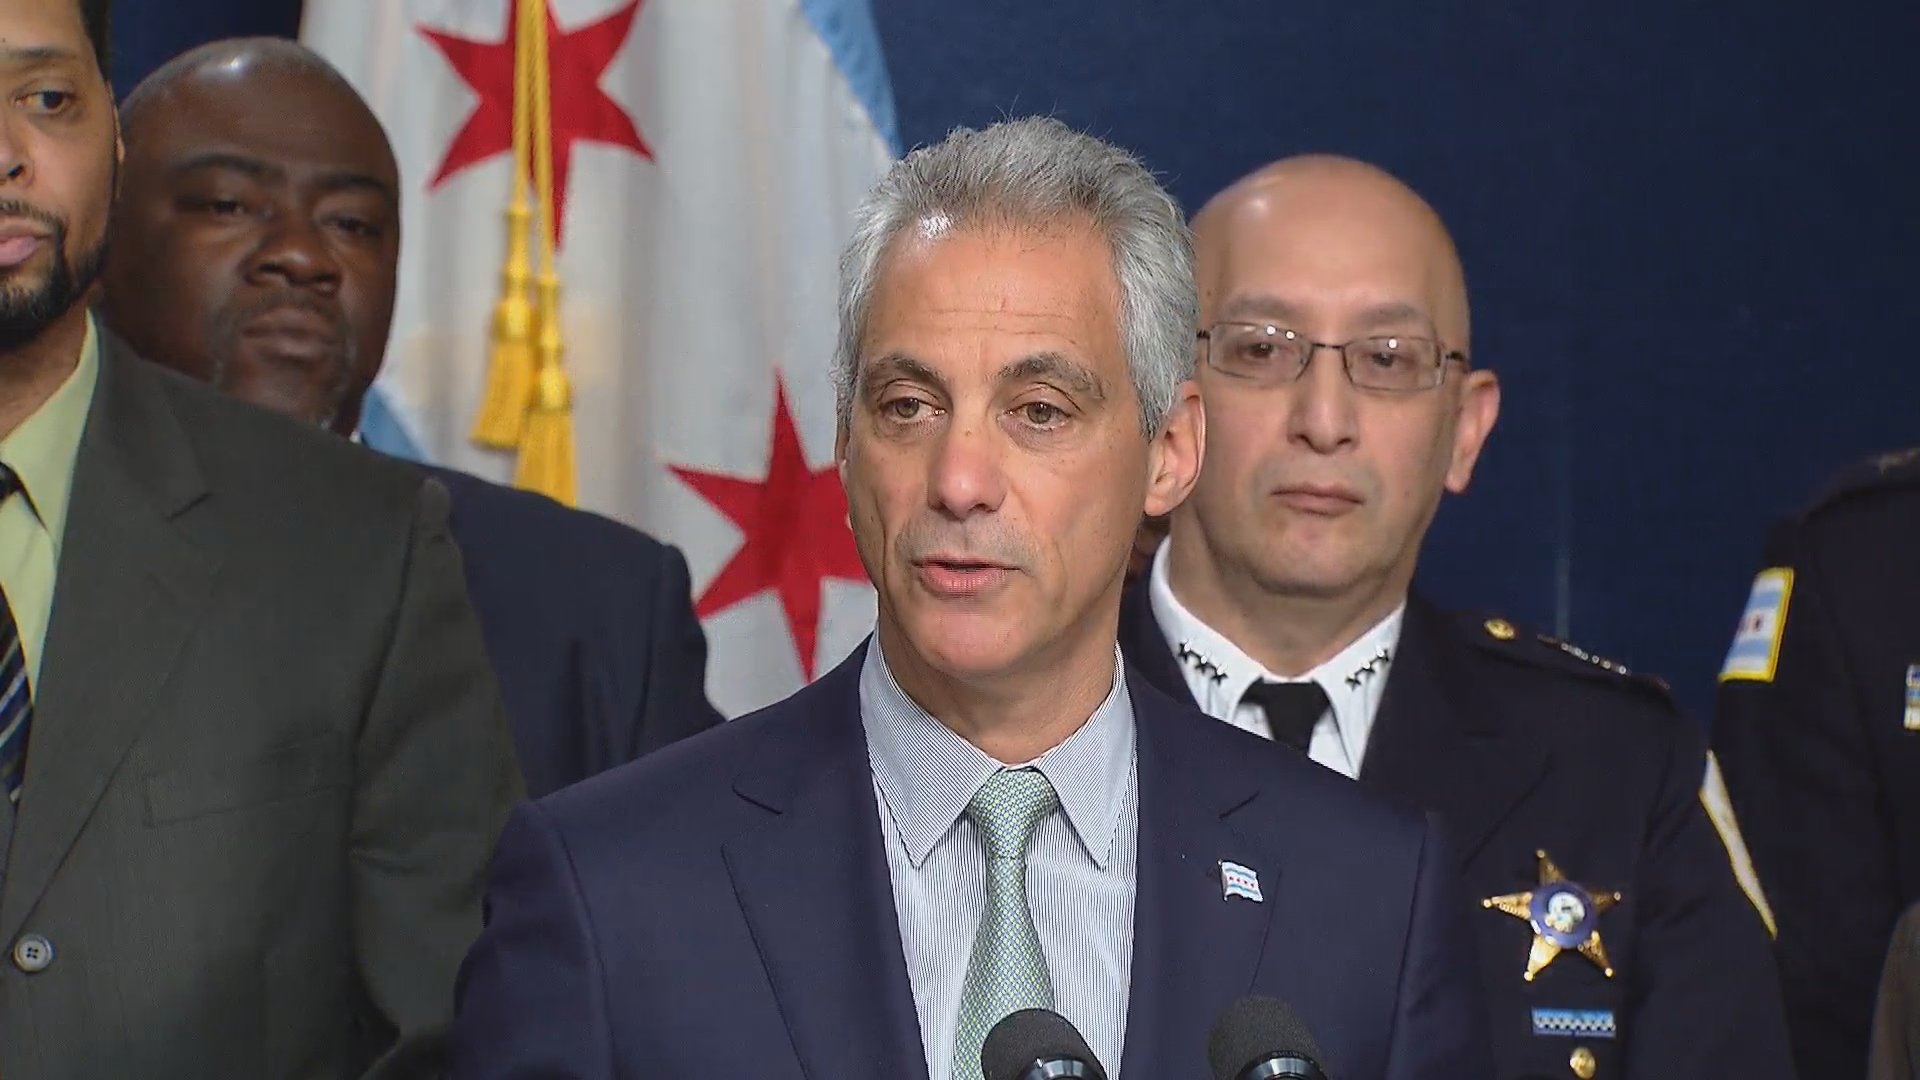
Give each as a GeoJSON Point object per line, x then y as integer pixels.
{"type": "Point", "coordinates": [893, 365]}
{"type": "Point", "coordinates": [28, 55]}
{"type": "Point", "coordinates": [231, 162]}
{"type": "Point", "coordinates": [260, 169]}
{"type": "Point", "coordinates": [1263, 306]}
{"type": "Point", "coordinates": [1077, 376]}
{"type": "Point", "coordinates": [353, 181]}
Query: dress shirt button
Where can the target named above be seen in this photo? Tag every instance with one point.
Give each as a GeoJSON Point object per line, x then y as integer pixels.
{"type": "Point", "coordinates": [1582, 1063]}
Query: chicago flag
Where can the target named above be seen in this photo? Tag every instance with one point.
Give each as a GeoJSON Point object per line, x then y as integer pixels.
{"type": "Point", "coordinates": [707, 157]}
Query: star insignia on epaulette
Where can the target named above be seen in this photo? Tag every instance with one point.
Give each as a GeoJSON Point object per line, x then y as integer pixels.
{"type": "Point", "coordinates": [1579, 653]}
{"type": "Point", "coordinates": [1361, 673]}
{"type": "Point", "coordinates": [1200, 662]}
{"type": "Point", "coordinates": [1564, 915]}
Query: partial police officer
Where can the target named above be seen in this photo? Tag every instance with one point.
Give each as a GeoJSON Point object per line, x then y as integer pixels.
{"type": "Point", "coordinates": [1818, 731]}
{"type": "Point", "coordinates": [1613, 938]}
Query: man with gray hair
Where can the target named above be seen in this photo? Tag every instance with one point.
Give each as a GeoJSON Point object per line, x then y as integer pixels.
{"type": "Point", "coordinates": [982, 810]}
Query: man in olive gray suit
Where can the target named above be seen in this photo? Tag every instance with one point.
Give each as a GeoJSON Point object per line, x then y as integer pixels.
{"type": "Point", "coordinates": [252, 760]}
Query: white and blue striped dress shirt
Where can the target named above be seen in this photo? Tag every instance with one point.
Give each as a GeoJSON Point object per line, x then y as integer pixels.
{"type": "Point", "coordinates": [1080, 865]}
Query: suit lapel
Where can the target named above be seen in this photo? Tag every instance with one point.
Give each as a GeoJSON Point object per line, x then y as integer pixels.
{"type": "Point", "coordinates": [1441, 742]}
{"type": "Point", "coordinates": [813, 883]}
{"type": "Point", "coordinates": [1195, 949]}
{"type": "Point", "coordinates": [128, 588]}
{"type": "Point", "coordinates": [1145, 647]}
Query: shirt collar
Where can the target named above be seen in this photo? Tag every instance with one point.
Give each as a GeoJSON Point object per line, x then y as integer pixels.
{"type": "Point", "coordinates": [41, 451]}
{"type": "Point", "coordinates": [927, 773]}
{"type": "Point", "coordinates": [1219, 672]}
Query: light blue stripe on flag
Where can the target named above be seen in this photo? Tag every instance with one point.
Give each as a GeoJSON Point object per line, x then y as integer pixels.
{"type": "Point", "coordinates": [380, 428]}
{"type": "Point", "coordinates": [846, 26]}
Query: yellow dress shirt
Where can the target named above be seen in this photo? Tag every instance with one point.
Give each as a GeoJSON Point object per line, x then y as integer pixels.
{"type": "Point", "coordinates": [41, 453]}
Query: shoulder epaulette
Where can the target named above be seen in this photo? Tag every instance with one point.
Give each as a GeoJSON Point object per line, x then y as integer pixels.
{"type": "Point", "coordinates": [1894, 469]}
{"type": "Point", "coordinates": [1500, 636]}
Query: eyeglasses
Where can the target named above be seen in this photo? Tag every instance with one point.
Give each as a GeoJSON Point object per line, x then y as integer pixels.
{"type": "Point", "coordinates": [1272, 355]}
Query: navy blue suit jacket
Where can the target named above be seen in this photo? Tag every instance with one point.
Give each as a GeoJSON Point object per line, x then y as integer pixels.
{"type": "Point", "coordinates": [589, 626]}
{"type": "Point", "coordinates": [1522, 746]}
{"type": "Point", "coordinates": [722, 908]}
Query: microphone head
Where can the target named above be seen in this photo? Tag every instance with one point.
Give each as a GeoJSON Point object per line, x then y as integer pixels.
{"type": "Point", "coordinates": [1256, 1029]}
{"type": "Point", "coordinates": [1032, 1037]}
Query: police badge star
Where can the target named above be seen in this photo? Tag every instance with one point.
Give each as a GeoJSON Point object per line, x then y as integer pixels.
{"type": "Point", "coordinates": [1563, 915]}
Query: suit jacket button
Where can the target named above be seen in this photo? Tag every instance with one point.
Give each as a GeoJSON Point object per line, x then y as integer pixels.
{"type": "Point", "coordinates": [33, 953]}
{"type": "Point", "coordinates": [1582, 1063]}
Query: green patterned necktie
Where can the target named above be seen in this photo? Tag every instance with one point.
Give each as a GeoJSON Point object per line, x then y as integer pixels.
{"type": "Point", "coordinates": [1008, 972]}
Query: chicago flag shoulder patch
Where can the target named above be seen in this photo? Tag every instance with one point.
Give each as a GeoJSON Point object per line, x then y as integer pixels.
{"type": "Point", "coordinates": [1755, 651]}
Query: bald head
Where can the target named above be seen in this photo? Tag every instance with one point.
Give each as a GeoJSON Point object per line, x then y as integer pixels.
{"type": "Point", "coordinates": [256, 239]}
{"type": "Point", "coordinates": [234, 63]}
{"type": "Point", "coordinates": [1348, 226]}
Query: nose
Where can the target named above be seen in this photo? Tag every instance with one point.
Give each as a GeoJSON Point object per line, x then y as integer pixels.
{"type": "Point", "coordinates": [15, 168]}
{"type": "Point", "coordinates": [293, 253]}
{"type": "Point", "coordinates": [1322, 413]}
{"type": "Point", "coordinates": [968, 476]}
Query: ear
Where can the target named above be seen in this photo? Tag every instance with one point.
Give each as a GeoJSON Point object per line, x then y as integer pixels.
{"type": "Point", "coordinates": [1173, 458]}
{"type": "Point", "coordinates": [1479, 407]}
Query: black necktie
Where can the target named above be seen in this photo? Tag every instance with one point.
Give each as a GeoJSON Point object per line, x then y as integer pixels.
{"type": "Point", "coordinates": [1292, 709]}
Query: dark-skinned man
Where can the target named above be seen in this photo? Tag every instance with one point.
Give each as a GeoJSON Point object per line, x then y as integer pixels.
{"type": "Point", "coordinates": [252, 758]}
{"type": "Point", "coordinates": [1613, 938]}
{"type": "Point", "coordinates": [256, 242]}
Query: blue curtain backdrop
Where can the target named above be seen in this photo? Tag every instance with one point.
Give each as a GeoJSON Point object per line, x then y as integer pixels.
{"type": "Point", "coordinates": [1691, 250]}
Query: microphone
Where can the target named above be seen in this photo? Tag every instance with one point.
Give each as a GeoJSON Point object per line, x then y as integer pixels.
{"type": "Point", "coordinates": [1259, 1038]}
{"type": "Point", "coordinates": [1037, 1044]}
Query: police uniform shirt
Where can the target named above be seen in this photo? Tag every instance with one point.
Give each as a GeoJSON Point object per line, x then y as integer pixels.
{"type": "Point", "coordinates": [1218, 672]}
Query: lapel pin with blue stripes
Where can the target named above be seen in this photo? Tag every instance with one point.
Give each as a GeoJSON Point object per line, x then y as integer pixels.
{"type": "Point", "coordinates": [1237, 880]}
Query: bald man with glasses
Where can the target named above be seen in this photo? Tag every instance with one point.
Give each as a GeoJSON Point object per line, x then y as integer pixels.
{"type": "Point", "coordinates": [1342, 403]}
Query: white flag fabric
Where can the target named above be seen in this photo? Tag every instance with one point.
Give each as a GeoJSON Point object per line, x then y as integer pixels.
{"type": "Point", "coordinates": [708, 155]}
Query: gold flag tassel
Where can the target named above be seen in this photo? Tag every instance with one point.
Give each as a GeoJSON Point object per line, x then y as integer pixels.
{"type": "Point", "coordinates": [546, 447]}
{"type": "Point", "coordinates": [510, 368]}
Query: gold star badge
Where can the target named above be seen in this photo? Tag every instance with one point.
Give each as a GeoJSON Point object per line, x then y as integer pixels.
{"type": "Point", "coordinates": [1563, 915]}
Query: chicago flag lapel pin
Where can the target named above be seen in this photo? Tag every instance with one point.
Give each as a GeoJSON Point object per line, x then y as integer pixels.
{"type": "Point", "coordinates": [1237, 880]}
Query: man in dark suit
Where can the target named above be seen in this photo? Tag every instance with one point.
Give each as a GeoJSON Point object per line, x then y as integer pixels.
{"type": "Point", "coordinates": [256, 242]}
{"type": "Point", "coordinates": [980, 810]}
{"type": "Point", "coordinates": [1819, 726]}
{"type": "Point", "coordinates": [1613, 937]}
{"type": "Point", "coordinates": [252, 757]}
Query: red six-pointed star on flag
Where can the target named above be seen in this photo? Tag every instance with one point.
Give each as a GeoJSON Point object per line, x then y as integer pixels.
{"type": "Point", "coordinates": [795, 523]}
{"type": "Point", "coordinates": [582, 112]}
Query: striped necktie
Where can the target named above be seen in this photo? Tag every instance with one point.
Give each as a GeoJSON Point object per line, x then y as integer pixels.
{"type": "Point", "coordinates": [16, 696]}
